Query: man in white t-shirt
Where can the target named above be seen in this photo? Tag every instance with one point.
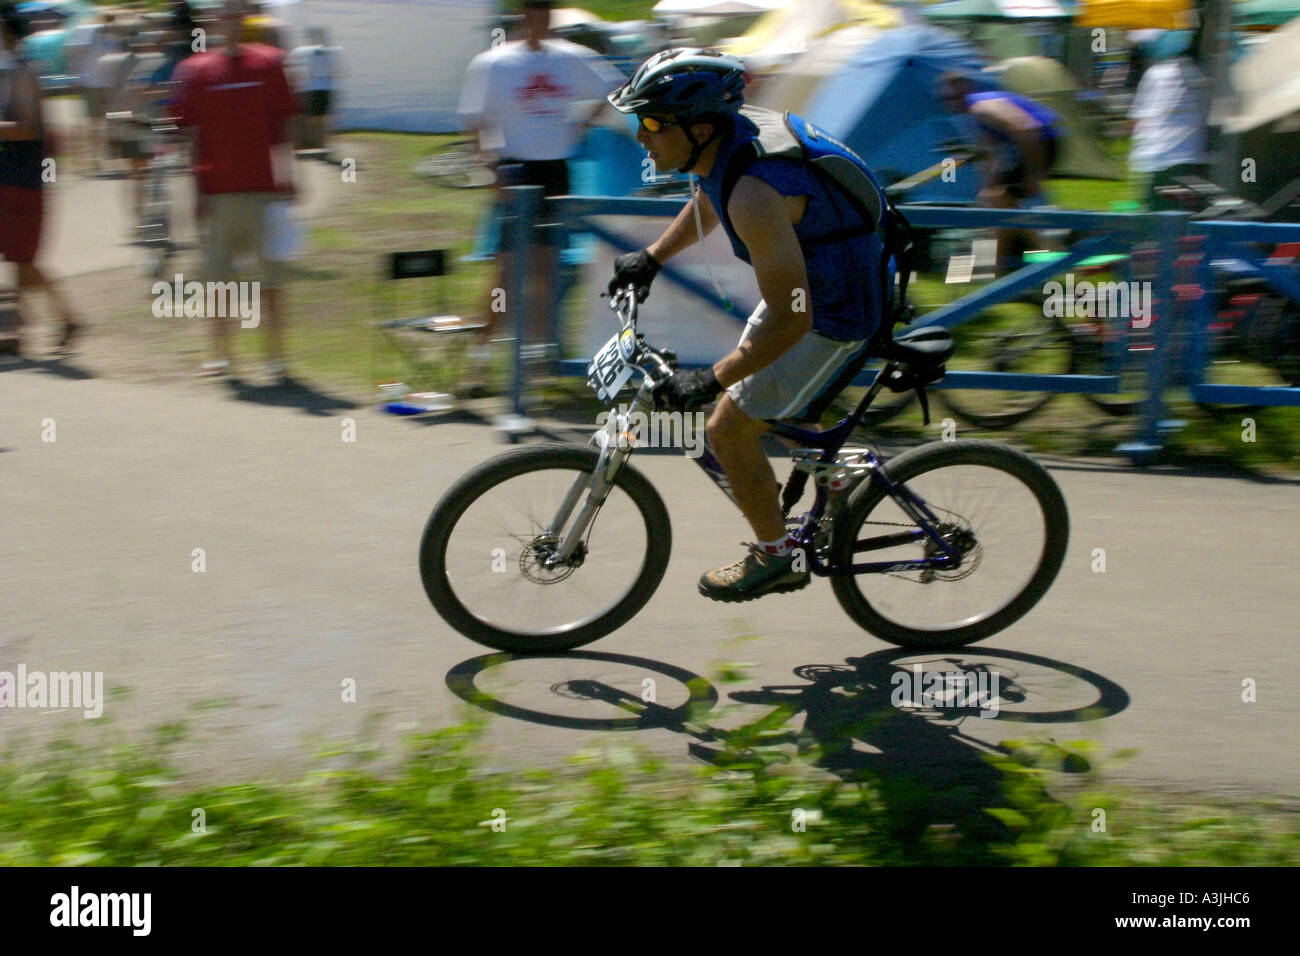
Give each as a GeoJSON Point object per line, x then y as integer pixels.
{"type": "Point", "coordinates": [1171, 113]}
{"type": "Point", "coordinates": [318, 73]}
{"type": "Point", "coordinates": [523, 99]}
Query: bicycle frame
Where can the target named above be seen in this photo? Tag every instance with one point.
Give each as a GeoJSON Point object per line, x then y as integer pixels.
{"type": "Point", "coordinates": [819, 456]}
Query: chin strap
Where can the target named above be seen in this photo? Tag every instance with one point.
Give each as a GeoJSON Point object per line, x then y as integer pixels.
{"type": "Point", "coordinates": [696, 148]}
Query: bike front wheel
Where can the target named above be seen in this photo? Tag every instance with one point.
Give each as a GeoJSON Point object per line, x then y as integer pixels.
{"type": "Point", "coordinates": [485, 550]}
{"type": "Point", "coordinates": [1001, 510]}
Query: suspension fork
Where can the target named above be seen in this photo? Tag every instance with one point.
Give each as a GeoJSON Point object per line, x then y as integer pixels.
{"type": "Point", "coordinates": [614, 443]}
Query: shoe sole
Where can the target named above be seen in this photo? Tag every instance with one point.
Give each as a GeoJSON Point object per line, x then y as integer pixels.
{"type": "Point", "coordinates": [739, 597]}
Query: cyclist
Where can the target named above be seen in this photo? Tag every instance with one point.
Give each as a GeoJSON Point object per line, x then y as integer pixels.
{"type": "Point", "coordinates": [817, 266]}
{"type": "Point", "coordinates": [1022, 139]}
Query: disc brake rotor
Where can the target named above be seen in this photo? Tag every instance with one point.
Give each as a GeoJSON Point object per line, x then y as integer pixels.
{"type": "Point", "coordinates": [533, 561]}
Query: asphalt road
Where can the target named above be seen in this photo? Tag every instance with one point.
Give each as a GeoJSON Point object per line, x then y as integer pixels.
{"type": "Point", "coordinates": [310, 580]}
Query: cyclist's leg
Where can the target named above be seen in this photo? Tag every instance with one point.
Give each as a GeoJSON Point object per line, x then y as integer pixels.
{"type": "Point", "coordinates": [782, 390]}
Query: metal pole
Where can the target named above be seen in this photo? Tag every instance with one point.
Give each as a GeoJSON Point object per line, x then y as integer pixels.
{"type": "Point", "coordinates": [523, 206]}
{"type": "Point", "coordinates": [1168, 226]}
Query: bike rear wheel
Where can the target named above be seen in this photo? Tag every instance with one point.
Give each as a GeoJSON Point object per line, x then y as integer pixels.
{"type": "Point", "coordinates": [1000, 507]}
{"type": "Point", "coordinates": [484, 550]}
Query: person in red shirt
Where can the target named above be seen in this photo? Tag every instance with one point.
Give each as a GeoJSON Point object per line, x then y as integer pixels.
{"type": "Point", "coordinates": [22, 207]}
{"type": "Point", "coordinates": [238, 101]}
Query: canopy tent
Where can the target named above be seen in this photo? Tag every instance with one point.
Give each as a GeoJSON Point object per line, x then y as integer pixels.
{"type": "Point", "coordinates": [1134, 14]}
{"type": "Point", "coordinates": [1264, 13]}
{"type": "Point", "coordinates": [793, 85]}
{"type": "Point", "coordinates": [883, 103]}
{"type": "Point", "coordinates": [708, 8]}
{"type": "Point", "coordinates": [1267, 81]}
{"type": "Point", "coordinates": [562, 17]}
{"type": "Point", "coordinates": [1051, 84]}
{"type": "Point", "coordinates": [790, 30]}
{"type": "Point", "coordinates": [1266, 125]}
{"type": "Point", "coordinates": [996, 10]}
{"type": "Point", "coordinates": [405, 60]}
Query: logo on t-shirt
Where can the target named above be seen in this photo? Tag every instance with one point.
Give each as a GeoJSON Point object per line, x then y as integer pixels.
{"type": "Point", "coordinates": [539, 89]}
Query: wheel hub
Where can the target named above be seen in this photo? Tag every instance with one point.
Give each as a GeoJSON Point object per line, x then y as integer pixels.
{"type": "Point", "coordinates": [537, 561]}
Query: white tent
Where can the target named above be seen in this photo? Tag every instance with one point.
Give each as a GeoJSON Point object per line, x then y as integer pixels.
{"type": "Point", "coordinates": [404, 59]}
{"type": "Point", "coordinates": [1268, 80]}
{"type": "Point", "coordinates": [702, 8]}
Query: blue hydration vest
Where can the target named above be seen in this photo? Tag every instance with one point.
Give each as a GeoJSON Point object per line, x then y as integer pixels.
{"type": "Point", "coordinates": [844, 230]}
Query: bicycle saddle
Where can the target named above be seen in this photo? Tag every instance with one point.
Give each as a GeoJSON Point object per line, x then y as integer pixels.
{"type": "Point", "coordinates": [922, 348]}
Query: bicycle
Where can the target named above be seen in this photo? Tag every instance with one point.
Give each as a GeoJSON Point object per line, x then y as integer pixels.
{"type": "Point", "coordinates": [154, 228]}
{"type": "Point", "coordinates": [457, 165]}
{"type": "Point", "coordinates": [521, 569]}
{"type": "Point", "coordinates": [1255, 326]}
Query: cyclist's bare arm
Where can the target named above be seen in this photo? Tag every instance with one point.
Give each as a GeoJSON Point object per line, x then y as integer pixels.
{"type": "Point", "coordinates": [681, 232]}
{"type": "Point", "coordinates": [764, 221]}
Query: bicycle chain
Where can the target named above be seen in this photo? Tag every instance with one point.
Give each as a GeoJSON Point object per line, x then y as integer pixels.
{"type": "Point", "coordinates": [920, 577]}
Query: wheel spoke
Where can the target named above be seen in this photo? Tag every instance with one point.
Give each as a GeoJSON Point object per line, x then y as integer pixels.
{"type": "Point", "coordinates": [993, 505]}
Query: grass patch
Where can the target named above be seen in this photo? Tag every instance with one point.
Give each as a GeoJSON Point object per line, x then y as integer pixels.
{"type": "Point", "coordinates": [127, 806]}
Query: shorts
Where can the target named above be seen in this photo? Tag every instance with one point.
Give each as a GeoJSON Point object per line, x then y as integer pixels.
{"type": "Point", "coordinates": [790, 384]}
{"type": "Point", "coordinates": [318, 102]}
{"type": "Point", "coordinates": [1015, 178]}
{"type": "Point", "coordinates": [233, 223]}
{"type": "Point", "coordinates": [22, 211]}
{"type": "Point", "coordinates": [551, 174]}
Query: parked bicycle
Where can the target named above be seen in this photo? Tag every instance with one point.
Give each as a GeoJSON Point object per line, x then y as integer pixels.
{"type": "Point", "coordinates": [552, 546]}
{"type": "Point", "coordinates": [1254, 324]}
{"type": "Point", "coordinates": [155, 228]}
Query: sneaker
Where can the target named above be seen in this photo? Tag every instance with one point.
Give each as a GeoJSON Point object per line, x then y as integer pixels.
{"type": "Point", "coordinates": [754, 575]}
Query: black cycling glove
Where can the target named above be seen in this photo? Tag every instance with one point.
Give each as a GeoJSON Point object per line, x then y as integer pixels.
{"type": "Point", "coordinates": [687, 391]}
{"type": "Point", "coordinates": [635, 269]}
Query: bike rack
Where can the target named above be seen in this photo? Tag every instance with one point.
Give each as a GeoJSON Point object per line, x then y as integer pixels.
{"type": "Point", "coordinates": [1232, 240]}
{"type": "Point", "coordinates": [1109, 232]}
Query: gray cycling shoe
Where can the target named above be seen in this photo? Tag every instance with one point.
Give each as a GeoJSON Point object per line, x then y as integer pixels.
{"type": "Point", "coordinates": [756, 574]}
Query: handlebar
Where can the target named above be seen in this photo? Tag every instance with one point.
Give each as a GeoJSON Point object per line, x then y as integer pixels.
{"type": "Point", "coordinates": [662, 362]}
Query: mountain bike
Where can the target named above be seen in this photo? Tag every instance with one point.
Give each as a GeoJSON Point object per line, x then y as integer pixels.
{"type": "Point", "coordinates": [552, 546]}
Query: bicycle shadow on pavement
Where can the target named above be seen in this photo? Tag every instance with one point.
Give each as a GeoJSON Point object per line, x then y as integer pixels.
{"type": "Point", "coordinates": [290, 393]}
{"type": "Point", "coordinates": [878, 721]}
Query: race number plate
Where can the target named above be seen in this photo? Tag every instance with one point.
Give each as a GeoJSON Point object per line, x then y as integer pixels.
{"type": "Point", "coordinates": [609, 370]}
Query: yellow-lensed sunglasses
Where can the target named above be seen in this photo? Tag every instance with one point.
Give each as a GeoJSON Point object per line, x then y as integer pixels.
{"type": "Point", "coordinates": [652, 124]}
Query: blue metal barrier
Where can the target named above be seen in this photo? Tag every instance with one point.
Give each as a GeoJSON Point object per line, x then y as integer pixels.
{"type": "Point", "coordinates": [1110, 232]}
{"type": "Point", "coordinates": [1233, 240]}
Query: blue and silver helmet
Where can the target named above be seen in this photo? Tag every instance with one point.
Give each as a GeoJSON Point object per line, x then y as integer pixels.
{"type": "Point", "coordinates": [684, 82]}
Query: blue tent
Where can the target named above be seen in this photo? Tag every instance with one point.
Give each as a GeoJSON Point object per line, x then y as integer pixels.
{"type": "Point", "coordinates": [883, 103]}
